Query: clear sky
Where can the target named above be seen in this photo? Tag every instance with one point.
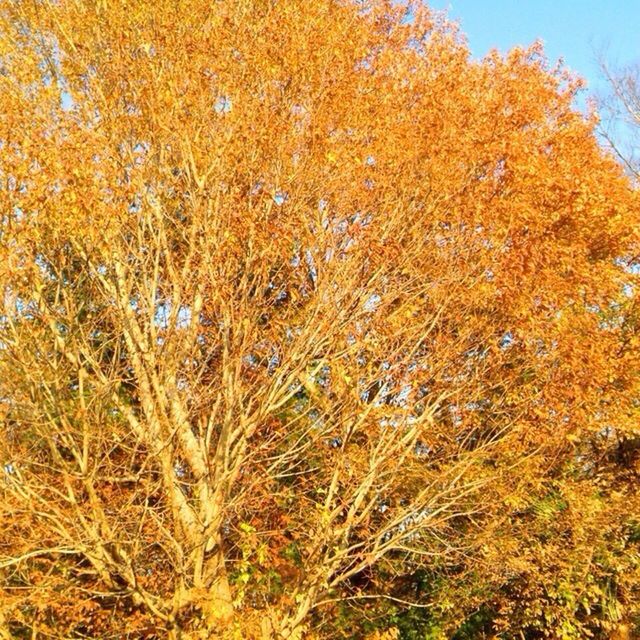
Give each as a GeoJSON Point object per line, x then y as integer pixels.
{"type": "Point", "coordinates": [575, 30]}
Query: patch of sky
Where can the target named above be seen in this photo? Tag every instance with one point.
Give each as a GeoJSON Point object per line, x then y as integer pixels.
{"type": "Point", "coordinates": [454, 413]}
{"type": "Point", "coordinates": [372, 303]}
{"type": "Point", "coordinates": [141, 148]}
{"type": "Point", "coordinates": [136, 205]}
{"type": "Point", "coordinates": [183, 318]}
{"type": "Point", "coordinates": [634, 268]}
{"type": "Point", "coordinates": [363, 65]}
{"type": "Point", "coordinates": [280, 197]}
{"type": "Point", "coordinates": [341, 226]}
{"type": "Point", "coordinates": [323, 376]}
{"type": "Point", "coordinates": [132, 110]}
{"type": "Point", "coordinates": [400, 399]}
{"type": "Point", "coordinates": [389, 422]}
{"type": "Point", "coordinates": [292, 332]}
{"type": "Point", "coordinates": [421, 449]}
{"type": "Point", "coordinates": [409, 16]}
{"type": "Point", "coordinates": [410, 523]}
{"type": "Point", "coordinates": [506, 340]}
{"type": "Point", "coordinates": [274, 362]}
{"type": "Point", "coordinates": [223, 105]}
{"type": "Point", "coordinates": [313, 272]}
{"type": "Point", "coordinates": [316, 418]}
{"type": "Point", "coordinates": [163, 314]}
{"type": "Point", "coordinates": [250, 360]}
{"type": "Point", "coordinates": [44, 267]}
{"type": "Point", "coordinates": [477, 352]}
{"type": "Point", "coordinates": [66, 101]}
{"type": "Point", "coordinates": [257, 187]}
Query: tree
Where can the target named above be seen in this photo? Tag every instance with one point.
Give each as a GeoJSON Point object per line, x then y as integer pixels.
{"type": "Point", "coordinates": [620, 112]}
{"type": "Point", "coordinates": [299, 304]}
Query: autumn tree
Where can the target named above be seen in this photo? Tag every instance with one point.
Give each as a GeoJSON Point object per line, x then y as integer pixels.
{"type": "Point", "coordinates": [301, 306]}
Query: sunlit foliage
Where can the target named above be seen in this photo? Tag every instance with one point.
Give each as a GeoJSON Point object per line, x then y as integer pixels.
{"type": "Point", "coordinates": [311, 326]}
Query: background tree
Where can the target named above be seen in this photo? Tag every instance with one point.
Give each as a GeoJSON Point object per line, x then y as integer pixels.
{"type": "Point", "coordinates": [303, 308]}
{"type": "Point", "coordinates": [620, 110]}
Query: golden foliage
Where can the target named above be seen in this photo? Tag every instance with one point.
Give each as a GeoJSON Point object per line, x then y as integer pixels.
{"type": "Point", "coordinates": [299, 301]}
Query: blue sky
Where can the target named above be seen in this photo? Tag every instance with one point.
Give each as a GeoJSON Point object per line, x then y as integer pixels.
{"type": "Point", "coordinates": [575, 30]}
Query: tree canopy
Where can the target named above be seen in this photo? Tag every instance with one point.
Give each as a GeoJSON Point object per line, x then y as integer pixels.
{"type": "Point", "coordinates": [312, 326]}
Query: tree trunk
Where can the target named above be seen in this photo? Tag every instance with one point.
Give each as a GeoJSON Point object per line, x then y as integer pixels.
{"type": "Point", "coordinates": [217, 601]}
